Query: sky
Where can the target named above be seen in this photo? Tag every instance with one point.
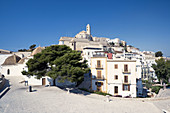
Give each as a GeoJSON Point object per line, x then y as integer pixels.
{"type": "Point", "coordinates": [144, 24]}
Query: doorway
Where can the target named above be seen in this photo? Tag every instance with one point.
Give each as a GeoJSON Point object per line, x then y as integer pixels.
{"type": "Point", "coordinates": [99, 88]}
{"type": "Point", "coordinates": [116, 90]}
{"type": "Point", "coordinates": [43, 81]}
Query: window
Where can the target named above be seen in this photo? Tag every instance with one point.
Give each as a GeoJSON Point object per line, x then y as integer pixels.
{"type": "Point", "coordinates": [126, 79]}
{"type": "Point", "coordinates": [88, 53]}
{"type": "Point", "coordinates": [126, 87]}
{"type": "Point", "coordinates": [126, 68]}
{"type": "Point", "coordinates": [116, 66]}
{"type": "Point", "coordinates": [98, 63]}
{"type": "Point", "coordinates": [99, 74]}
{"type": "Point", "coordinates": [116, 77]}
{"type": "Point", "coordinates": [98, 83]}
{"type": "Point", "coordinates": [8, 71]}
{"type": "Point", "coordinates": [116, 89]}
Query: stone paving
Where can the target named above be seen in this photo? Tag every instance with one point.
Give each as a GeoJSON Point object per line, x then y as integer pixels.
{"type": "Point", "coordinates": [53, 99]}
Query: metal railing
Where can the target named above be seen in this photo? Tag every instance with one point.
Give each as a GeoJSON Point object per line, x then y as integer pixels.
{"type": "Point", "coordinates": [99, 66]}
{"type": "Point", "coordinates": [126, 71]}
{"type": "Point", "coordinates": [126, 82]}
{"type": "Point", "coordinates": [98, 78]}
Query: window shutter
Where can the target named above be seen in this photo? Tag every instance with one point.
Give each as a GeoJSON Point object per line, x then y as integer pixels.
{"type": "Point", "coordinates": [98, 63]}
{"type": "Point", "coordinates": [126, 79]}
{"type": "Point", "coordinates": [98, 74]}
{"type": "Point", "coordinates": [116, 66]}
{"type": "Point", "coordinates": [128, 87]}
{"type": "Point", "coordinates": [125, 67]}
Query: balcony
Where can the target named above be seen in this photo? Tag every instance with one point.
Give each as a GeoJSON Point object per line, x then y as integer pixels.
{"type": "Point", "coordinates": [126, 81]}
{"type": "Point", "coordinates": [126, 71]}
{"type": "Point", "coordinates": [98, 78]}
{"type": "Point", "coordinates": [99, 66]}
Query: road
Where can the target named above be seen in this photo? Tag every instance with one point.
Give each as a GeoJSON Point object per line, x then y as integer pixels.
{"type": "Point", "coordinates": [53, 99]}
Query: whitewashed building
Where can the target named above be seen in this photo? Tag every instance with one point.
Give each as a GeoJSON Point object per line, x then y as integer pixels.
{"type": "Point", "coordinates": [114, 76]}
{"type": "Point", "coordinates": [13, 64]}
{"type": "Point", "coordinates": [88, 53]}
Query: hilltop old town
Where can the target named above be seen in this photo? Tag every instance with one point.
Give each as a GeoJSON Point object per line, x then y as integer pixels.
{"type": "Point", "coordinates": [84, 74]}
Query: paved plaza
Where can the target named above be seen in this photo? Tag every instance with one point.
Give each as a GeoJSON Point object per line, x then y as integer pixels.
{"type": "Point", "coordinates": [53, 99]}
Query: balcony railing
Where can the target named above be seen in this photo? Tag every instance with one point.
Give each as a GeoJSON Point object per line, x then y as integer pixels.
{"type": "Point", "coordinates": [99, 66]}
{"type": "Point", "coordinates": [126, 71]}
{"type": "Point", "coordinates": [126, 82]}
{"type": "Point", "coordinates": [98, 78]}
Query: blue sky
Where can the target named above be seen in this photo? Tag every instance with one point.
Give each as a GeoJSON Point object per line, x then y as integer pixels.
{"type": "Point", "coordinates": [144, 24]}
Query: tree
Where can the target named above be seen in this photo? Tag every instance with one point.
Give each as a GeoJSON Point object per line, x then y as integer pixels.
{"type": "Point", "coordinates": [158, 54]}
{"type": "Point", "coordinates": [130, 46]}
{"type": "Point", "coordinates": [167, 65]}
{"type": "Point", "coordinates": [162, 70]}
{"type": "Point", "coordinates": [64, 64]}
{"type": "Point", "coordinates": [22, 50]}
{"type": "Point", "coordinates": [32, 47]}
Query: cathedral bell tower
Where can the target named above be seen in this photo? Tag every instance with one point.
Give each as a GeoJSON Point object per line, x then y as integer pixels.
{"type": "Point", "coordinates": [88, 29]}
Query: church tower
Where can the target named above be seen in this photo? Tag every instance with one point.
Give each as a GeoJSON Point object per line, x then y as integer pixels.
{"type": "Point", "coordinates": [88, 29]}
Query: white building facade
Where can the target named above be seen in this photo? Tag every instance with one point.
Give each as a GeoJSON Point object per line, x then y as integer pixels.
{"type": "Point", "coordinates": [88, 53]}
{"type": "Point", "coordinates": [114, 76]}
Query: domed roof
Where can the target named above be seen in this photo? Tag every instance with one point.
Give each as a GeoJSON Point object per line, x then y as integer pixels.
{"type": "Point", "coordinates": [82, 32]}
{"type": "Point", "coordinates": [12, 60]}
{"type": "Point", "coordinates": [37, 50]}
{"type": "Point", "coordinates": [21, 61]}
{"type": "Point", "coordinates": [84, 35]}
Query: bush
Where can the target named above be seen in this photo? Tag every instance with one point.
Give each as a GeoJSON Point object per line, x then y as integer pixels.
{"type": "Point", "coordinates": [117, 95]}
{"type": "Point", "coordinates": [156, 89]}
{"type": "Point", "coordinates": [168, 84]}
{"type": "Point", "coordinates": [102, 93]}
{"type": "Point", "coordinates": [97, 92]}
{"type": "Point", "coordinates": [148, 85]}
{"type": "Point", "coordinates": [145, 81]}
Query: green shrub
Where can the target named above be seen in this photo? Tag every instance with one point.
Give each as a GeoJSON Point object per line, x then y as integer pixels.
{"type": "Point", "coordinates": [148, 85]}
{"type": "Point", "coordinates": [144, 81]}
{"type": "Point", "coordinates": [156, 89]}
{"type": "Point", "coordinates": [97, 92]}
{"type": "Point", "coordinates": [102, 93]}
{"type": "Point", "coordinates": [168, 84]}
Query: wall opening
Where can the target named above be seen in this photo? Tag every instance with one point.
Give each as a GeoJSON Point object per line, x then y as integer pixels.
{"type": "Point", "coordinates": [8, 71]}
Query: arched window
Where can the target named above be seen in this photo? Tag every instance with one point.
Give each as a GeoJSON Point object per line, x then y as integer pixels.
{"type": "Point", "coordinates": [8, 71]}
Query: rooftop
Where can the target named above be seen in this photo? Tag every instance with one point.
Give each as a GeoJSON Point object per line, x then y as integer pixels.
{"type": "Point", "coordinates": [12, 60]}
